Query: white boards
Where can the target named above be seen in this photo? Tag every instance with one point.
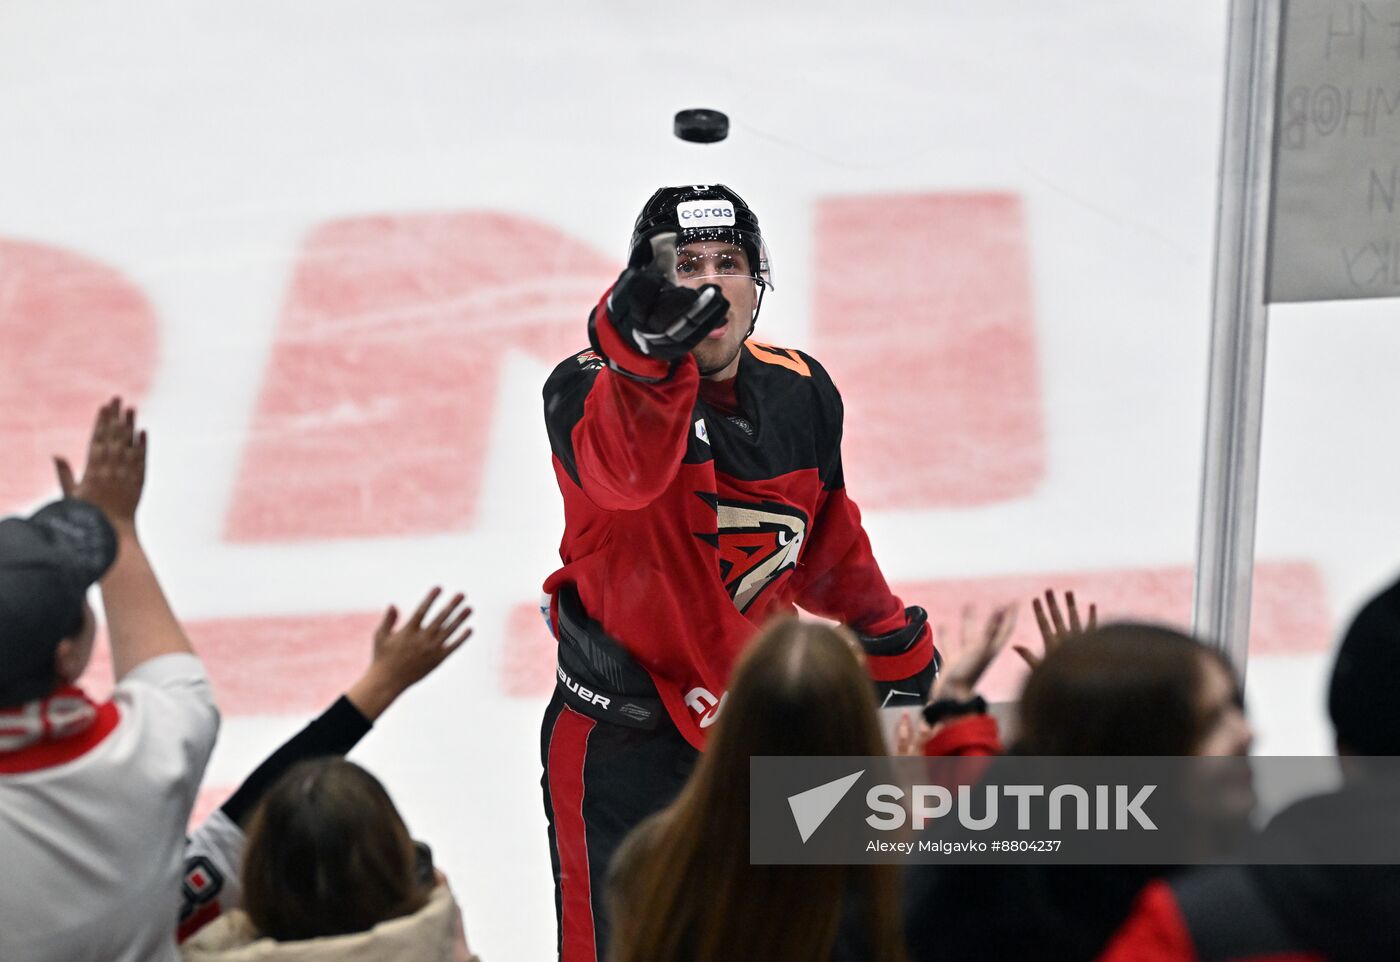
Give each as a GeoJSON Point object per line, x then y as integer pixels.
{"type": "Point", "coordinates": [1335, 211]}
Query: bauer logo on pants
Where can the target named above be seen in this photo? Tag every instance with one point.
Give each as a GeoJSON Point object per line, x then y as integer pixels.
{"type": "Point", "coordinates": [705, 213]}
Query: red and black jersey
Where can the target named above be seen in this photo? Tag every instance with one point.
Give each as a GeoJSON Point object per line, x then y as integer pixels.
{"type": "Point", "coordinates": [689, 522]}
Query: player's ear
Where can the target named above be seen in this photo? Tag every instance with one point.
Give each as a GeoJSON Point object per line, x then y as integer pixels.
{"type": "Point", "coordinates": [65, 660]}
{"type": "Point", "coordinates": [72, 654]}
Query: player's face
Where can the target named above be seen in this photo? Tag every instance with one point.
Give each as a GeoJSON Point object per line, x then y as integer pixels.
{"type": "Point", "coordinates": [726, 266]}
{"type": "Point", "coordinates": [1227, 729]}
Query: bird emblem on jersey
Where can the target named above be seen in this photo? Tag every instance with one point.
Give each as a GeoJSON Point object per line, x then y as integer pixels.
{"type": "Point", "coordinates": [757, 542]}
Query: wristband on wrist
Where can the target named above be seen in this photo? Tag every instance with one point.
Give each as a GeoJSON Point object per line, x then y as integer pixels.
{"type": "Point", "coordinates": [946, 708]}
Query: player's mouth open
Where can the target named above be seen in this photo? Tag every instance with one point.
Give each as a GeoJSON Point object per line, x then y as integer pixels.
{"type": "Point", "coordinates": [719, 331]}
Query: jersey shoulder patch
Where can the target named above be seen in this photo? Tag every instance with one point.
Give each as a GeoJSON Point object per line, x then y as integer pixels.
{"type": "Point", "coordinates": [794, 361]}
{"type": "Point", "coordinates": [590, 360]}
{"type": "Point", "coordinates": [782, 363]}
{"type": "Point", "coordinates": [576, 369]}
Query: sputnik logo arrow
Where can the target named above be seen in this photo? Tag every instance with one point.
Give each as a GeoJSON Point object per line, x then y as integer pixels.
{"type": "Point", "coordinates": [810, 808]}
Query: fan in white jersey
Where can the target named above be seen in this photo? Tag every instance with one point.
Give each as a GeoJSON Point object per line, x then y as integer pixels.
{"type": "Point", "coordinates": [94, 798]}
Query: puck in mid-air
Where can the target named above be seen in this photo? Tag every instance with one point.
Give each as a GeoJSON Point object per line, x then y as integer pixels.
{"type": "Point", "coordinates": [701, 126]}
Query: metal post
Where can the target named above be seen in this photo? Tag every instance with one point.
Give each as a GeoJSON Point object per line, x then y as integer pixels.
{"type": "Point", "coordinates": [1235, 402]}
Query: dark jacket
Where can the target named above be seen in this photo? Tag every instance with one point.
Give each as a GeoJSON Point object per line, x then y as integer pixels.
{"type": "Point", "coordinates": [994, 912]}
{"type": "Point", "coordinates": [1273, 913]}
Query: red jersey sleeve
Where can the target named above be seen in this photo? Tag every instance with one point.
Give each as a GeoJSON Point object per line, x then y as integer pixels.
{"type": "Point", "coordinates": [619, 424]}
{"type": "Point", "coordinates": [838, 576]}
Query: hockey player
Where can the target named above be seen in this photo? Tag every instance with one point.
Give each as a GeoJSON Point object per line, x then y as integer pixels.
{"type": "Point", "coordinates": [703, 494]}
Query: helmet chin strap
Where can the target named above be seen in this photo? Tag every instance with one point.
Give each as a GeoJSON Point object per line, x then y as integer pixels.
{"type": "Point", "coordinates": [756, 308]}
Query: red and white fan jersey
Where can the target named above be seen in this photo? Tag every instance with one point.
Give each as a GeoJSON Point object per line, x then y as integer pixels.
{"type": "Point", "coordinates": [92, 827]}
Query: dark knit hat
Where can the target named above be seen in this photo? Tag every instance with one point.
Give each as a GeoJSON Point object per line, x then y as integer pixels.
{"type": "Point", "coordinates": [47, 563]}
{"type": "Point", "coordinates": [1366, 678]}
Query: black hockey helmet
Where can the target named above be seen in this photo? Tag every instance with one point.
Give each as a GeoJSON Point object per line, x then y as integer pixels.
{"type": "Point", "coordinates": [707, 212]}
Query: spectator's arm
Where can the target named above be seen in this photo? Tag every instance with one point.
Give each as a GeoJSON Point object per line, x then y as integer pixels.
{"type": "Point", "coordinates": [140, 624]}
{"type": "Point", "coordinates": [338, 729]}
{"type": "Point", "coordinates": [957, 681]}
{"type": "Point", "coordinates": [402, 657]}
{"type": "Point", "coordinates": [1053, 629]}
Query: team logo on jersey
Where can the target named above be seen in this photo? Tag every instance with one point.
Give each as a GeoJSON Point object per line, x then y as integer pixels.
{"type": "Point", "coordinates": [757, 542]}
{"type": "Point", "coordinates": [589, 360]}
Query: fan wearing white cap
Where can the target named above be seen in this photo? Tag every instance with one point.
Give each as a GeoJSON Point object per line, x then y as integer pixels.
{"type": "Point", "coordinates": [94, 797]}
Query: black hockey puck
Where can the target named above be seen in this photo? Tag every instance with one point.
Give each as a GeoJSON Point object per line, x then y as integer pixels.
{"type": "Point", "coordinates": [701, 126]}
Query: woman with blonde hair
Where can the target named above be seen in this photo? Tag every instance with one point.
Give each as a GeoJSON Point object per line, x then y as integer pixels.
{"type": "Point", "coordinates": [682, 888]}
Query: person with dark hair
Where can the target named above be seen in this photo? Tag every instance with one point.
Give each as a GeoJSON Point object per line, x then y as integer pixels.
{"type": "Point", "coordinates": [330, 872]}
{"type": "Point", "coordinates": [1133, 689]}
{"type": "Point", "coordinates": [1305, 912]}
{"type": "Point", "coordinates": [403, 654]}
{"type": "Point", "coordinates": [682, 888]}
{"type": "Point", "coordinates": [703, 494]}
{"type": "Point", "coordinates": [94, 798]}
{"type": "Point", "coordinates": [1119, 689]}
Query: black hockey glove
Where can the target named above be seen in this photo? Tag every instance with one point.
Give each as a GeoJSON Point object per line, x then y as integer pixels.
{"type": "Point", "coordinates": [903, 676]}
{"type": "Point", "coordinates": [655, 315]}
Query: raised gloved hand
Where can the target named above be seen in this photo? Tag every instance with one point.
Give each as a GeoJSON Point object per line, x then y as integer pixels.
{"type": "Point", "coordinates": [655, 315]}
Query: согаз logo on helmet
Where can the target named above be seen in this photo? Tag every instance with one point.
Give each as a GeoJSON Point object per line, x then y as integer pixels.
{"type": "Point", "coordinates": [705, 213]}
